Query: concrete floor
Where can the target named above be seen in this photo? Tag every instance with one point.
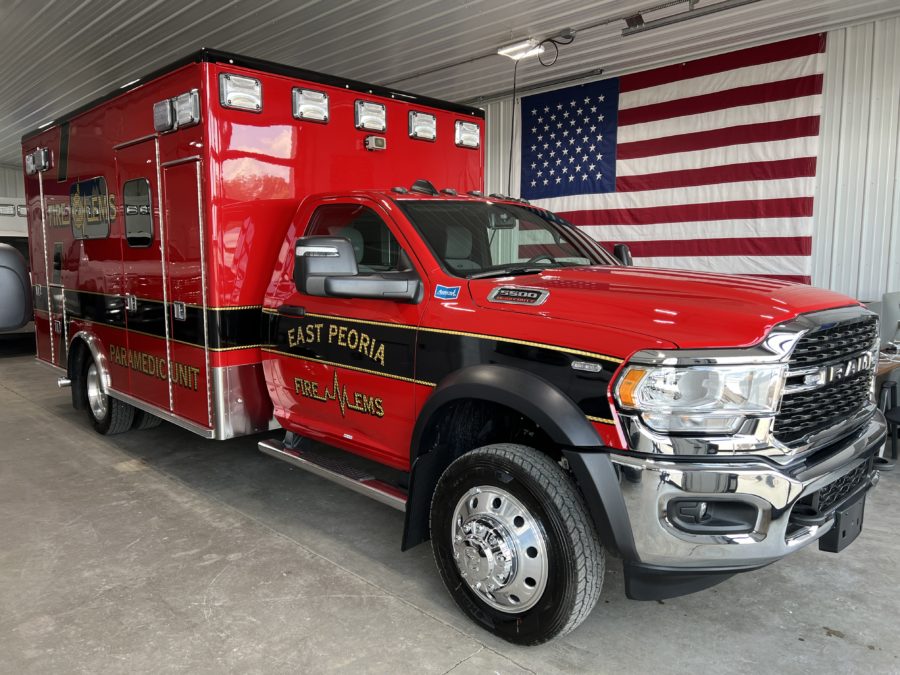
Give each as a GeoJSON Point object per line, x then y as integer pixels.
{"type": "Point", "coordinates": [158, 551]}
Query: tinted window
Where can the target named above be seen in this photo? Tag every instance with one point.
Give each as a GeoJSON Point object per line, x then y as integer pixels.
{"type": "Point", "coordinates": [138, 212]}
{"type": "Point", "coordinates": [373, 243]}
{"type": "Point", "coordinates": [474, 238]}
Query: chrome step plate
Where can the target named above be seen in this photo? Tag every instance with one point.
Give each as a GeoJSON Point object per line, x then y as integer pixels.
{"type": "Point", "coordinates": [337, 472]}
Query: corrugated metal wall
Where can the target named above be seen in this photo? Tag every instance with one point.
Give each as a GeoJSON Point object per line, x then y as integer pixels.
{"type": "Point", "coordinates": [11, 183]}
{"type": "Point", "coordinates": [856, 242]}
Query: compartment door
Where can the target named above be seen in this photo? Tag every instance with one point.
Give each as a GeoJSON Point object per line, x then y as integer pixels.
{"type": "Point", "coordinates": [144, 355]}
{"type": "Point", "coordinates": [187, 290]}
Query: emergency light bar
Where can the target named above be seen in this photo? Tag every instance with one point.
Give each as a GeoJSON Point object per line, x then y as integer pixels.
{"type": "Point", "coordinates": [310, 104]}
{"type": "Point", "coordinates": [467, 134]}
{"type": "Point", "coordinates": [422, 125]}
{"type": "Point", "coordinates": [371, 116]}
{"type": "Point", "coordinates": [238, 91]}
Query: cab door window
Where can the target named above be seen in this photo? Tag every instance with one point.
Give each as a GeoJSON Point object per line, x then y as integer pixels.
{"type": "Point", "coordinates": [376, 248]}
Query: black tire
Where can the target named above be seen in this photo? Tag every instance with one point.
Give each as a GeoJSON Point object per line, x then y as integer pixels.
{"type": "Point", "coordinates": [117, 417]}
{"type": "Point", "coordinates": [144, 420]}
{"type": "Point", "coordinates": [575, 559]}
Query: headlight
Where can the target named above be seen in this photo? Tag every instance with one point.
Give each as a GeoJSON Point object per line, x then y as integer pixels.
{"type": "Point", "coordinates": [700, 399]}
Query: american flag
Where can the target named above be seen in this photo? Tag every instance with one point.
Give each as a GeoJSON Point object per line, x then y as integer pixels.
{"type": "Point", "coordinates": [706, 165]}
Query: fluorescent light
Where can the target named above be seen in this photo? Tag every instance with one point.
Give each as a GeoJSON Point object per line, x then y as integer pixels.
{"type": "Point", "coordinates": [128, 84]}
{"type": "Point", "coordinates": [522, 50]}
{"type": "Point", "coordinates": [45, 124]}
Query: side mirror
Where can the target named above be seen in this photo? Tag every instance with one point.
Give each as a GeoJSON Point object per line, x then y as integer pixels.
{"type": "Point", "coordinates": [623, 253]}
{"type": "Point", "coordinates": [326, 267]}
{"type": "Point", "coordinates": [15, 290]}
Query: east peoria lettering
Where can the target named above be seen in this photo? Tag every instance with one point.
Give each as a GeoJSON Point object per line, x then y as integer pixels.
{"type": "Point", "coordinates": [183, 375]}
{"type": "Point", "coordinates": [342, 336]}
{"type": "Point", "coordinates": [358, 402]}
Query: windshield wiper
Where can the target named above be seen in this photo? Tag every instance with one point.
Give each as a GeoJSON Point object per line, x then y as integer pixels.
{"type": "Point", "coordinates": [507, 271]}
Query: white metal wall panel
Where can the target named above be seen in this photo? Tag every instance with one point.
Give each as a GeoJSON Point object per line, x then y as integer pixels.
{"type": "Point", "coordinates": [856, 242]}
{"type": "Point", "coordinates": [11, 182]}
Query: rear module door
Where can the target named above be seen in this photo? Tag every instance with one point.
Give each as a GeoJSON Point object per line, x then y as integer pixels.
{"type": "Point", "coordinates": [188, 317]}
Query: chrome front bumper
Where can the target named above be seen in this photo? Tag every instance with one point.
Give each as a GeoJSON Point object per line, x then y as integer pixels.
{"type": "Point", "coordinates": [648, 484]}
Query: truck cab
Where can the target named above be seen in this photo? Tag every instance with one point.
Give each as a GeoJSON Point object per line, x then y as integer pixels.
{"type": "Point", "coordinates": [526, 381]}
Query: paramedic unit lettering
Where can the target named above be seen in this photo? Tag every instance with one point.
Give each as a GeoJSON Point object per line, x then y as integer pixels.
{"type": "Point", "coordinates": [236, 246]}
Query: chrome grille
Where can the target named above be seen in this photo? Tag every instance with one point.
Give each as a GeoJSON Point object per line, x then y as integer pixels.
{"type": "Point", "coordinates": [834, 344]}
{"type": "Point", "coordinates": [807, 412]}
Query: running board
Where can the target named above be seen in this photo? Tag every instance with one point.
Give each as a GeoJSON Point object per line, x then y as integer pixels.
{"type": "Point", "coordinates": [336, 471]}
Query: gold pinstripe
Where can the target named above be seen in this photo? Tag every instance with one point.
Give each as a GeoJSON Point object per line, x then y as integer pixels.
{"type": "Point", "coordinates": [344, 365]}
{"type": "Point", "coordinates": [601, 420]}
{"type": "Point", "coordinates": [482, 336]}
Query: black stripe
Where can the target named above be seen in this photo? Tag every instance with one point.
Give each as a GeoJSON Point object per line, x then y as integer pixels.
{"type": "Point", "coordinates": [62, 163]}
{"type": "Point", "coordinates": [227, 329]}
{"type": "Point", "coordinates": [438, 354]}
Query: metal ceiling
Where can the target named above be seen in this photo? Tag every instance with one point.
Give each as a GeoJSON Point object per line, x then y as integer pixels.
{"type": "Point", "coordinates": [57, 55]}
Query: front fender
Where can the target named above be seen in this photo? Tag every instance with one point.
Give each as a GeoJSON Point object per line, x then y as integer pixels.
{"type": "Point", "coordinates": [528, 394]}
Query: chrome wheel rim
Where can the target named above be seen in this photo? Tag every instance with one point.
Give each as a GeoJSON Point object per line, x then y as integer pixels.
{"type": "Point", "coordinates": [499, 549]}
{"type": "Point", "coordinates": [96, 398]}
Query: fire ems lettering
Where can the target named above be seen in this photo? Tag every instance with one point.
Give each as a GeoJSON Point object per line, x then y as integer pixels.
{"type": "Point", "coordinates": [342, 336]}
{"type": "Point", "coordinates": [361, 403]}
{"type": "Point", "coordinates": [183, 375]}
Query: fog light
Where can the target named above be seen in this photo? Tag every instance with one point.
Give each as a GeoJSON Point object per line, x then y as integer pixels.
{"type": "Point", "coordinates": [696, 516]}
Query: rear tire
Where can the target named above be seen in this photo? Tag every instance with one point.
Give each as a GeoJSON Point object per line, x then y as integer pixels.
{"type": "Point", "coordinates": [514, 543]}
{"type": "Point", "coordinates": [144, 420]}
{"type": "Point", "coordinates": [108, 415]}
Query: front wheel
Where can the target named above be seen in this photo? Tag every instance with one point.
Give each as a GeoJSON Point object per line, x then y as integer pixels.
{"type": "Point", "coordinates": [514, 544]}
{"type": "Point", "coordinates": [108, 415]}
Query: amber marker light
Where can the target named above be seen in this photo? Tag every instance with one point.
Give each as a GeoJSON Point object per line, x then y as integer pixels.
{"type": "Point", "coordinates": [628, 385]}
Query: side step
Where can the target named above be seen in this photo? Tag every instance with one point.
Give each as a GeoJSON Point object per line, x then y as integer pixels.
{"type": "Point", "coordinates": [337, 472]}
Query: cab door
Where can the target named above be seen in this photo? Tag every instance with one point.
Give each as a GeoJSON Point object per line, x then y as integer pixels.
{"type": "Point", "coordinates": [348, 367]}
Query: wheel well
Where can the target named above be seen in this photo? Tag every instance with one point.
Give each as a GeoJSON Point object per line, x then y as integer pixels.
{"type": "Point", "coordinates": [463, 425]}
{"type": "Point", "coordinates": [454, 429]}
{"type": "Point", "coordinates": [79, 354]}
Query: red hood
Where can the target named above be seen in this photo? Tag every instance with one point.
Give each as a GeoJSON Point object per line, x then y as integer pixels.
{"type": "Point", "coordinates": [691, 309]}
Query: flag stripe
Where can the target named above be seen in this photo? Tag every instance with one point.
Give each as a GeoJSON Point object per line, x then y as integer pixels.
{"type": "Point", "coordinates": [796, 278]}
{"type": "Point", "coordinates": [773, 111]}
{"type": "Point", "coordinates": [733, 264]}
{"type": "Point", "coordinates": [757, 93]}
{"type": "Point", "coordinates": [804, 146]}
{"type": "Point", "coordinates": [718, 247]}
{"type": "Point", "coordinates": [754, 56]}
{"type": "Point", "coordinates": [688, 196]}
{"type": "Point", "coordinates": [740, 77]}
{"type": "Point", "coordinates": [713, 175]}
{"type": "Point", "coordinates": [757, 208]}
{"type": "Point", "coordinates": [757, 227]}
{"type": "Point", "coordinates": [764, 132]}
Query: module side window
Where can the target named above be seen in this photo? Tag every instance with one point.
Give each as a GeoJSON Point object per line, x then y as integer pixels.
{"type": "Point", "coordinates": [137, 203]}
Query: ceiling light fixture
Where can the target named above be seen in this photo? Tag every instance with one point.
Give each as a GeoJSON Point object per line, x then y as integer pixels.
{"type": "Point", "coordinates": [636, 24]}
{"type": "Point", "coordinates": [522, 50]}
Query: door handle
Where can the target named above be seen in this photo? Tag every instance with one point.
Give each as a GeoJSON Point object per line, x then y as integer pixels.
{"type": "Point", "coordinates": [292, 310]}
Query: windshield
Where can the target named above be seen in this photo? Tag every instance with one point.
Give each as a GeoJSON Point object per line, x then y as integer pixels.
{"type": "Point", "coordinates": [480, 239]}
